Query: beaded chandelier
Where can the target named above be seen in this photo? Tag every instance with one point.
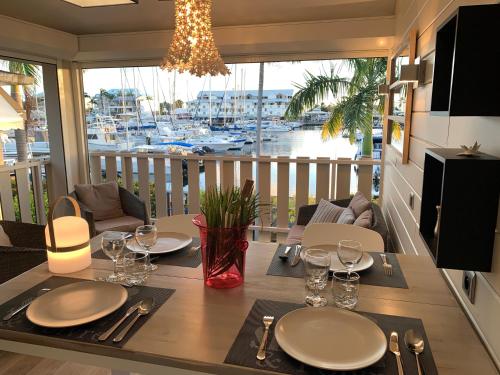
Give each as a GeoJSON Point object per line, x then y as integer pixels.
{"type": "Point", "coordinates": [193, 48]}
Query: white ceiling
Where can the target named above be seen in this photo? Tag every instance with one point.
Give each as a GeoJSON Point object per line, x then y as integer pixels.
{"type": "Point", "coordinates": [151, 15]}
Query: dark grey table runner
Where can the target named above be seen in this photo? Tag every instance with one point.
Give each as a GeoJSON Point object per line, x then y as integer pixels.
{"type": "Point", "coordinates": [87, 333]}
{"type": "Point", "coordinates": [182, 258]}
{"type": "Point", "coordinates": [244, 349]}
{"type": "Point", "coordinates": [372, 276]}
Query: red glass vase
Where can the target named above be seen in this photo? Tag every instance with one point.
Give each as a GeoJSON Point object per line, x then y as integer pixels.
{"type": "Point", "coordinates": [223, 253]}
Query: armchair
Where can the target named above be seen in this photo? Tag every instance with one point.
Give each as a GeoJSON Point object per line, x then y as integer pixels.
{"type": "Point", "coordinates": [134, 214]}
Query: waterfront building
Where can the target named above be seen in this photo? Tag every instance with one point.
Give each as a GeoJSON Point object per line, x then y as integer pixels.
{"type": "Point", "coordinates": [115, 101]}
{"type": "Point", "coordinates": [239, 105]}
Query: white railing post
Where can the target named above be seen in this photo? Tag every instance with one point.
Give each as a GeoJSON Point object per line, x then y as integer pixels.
{"type": "Point", "coordinates": [160, 179]}
{"type": "Point", "coordinates": [193, 186]}
{"type": "Point", "coordinates": [283, 195]}
{"type": "Point", "coordinates": [302, 183]}
{"type": "Point", "coordinates": [264, 189]}
{"type": "Point", "coordinates": [227, 174]}
{"type": "Point", "coordinates": [36, 175]}
{"type": "Point", "coordinates": [23, 194]}
{"type": "Point", "coordinates": [127, 173]}
{"type": "Point", "coordinates": [343, 178]}
{"type": "Point", "coordinates": [177, 183]}
{"type": "Point", "coordinates": [111, 171]}
{"type": "Point", "coordinates": [95, 168]}
{"type": "Point", "coordinates": [365, 178]}
{"type": "Point", "coordinates": [322, 179]}
{"type": "Point", "coordinates": [143, 172]}
{"type": "Point", "coordinates": [6, 197]}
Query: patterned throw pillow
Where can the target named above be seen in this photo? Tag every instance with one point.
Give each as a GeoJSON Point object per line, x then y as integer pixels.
{"type": "Point", "coordinates": [365, 219]}
{"type": "Point", "coordinates": [359, 204]}
{"type": "Point", "coordinates": [4, 238]}
{"type": "Point", "coordinates": [346, 217]}
{"type": "Point", "coordinates": [326, 213]}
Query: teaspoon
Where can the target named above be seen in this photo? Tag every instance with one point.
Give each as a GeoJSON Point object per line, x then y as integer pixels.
{"type": "Point", "coordinates": [415, 342]}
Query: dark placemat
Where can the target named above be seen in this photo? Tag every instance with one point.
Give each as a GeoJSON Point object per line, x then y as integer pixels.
{"type": "Point", "coordinates": [186, 257]}
{"type": "Point", "coordinates": [87, 333]}
{"type": "Point", "coordinates": [245, 347]}
{"type": "Point", "coordinates": [372, 276]}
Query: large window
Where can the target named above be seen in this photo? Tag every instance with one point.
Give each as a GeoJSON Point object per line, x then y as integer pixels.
{"type": "Point", "coordinates": [23, 120]}
{"type": "Point", "coordinates": [146, 109]}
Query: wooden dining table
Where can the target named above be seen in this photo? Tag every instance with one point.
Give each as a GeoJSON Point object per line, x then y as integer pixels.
{"type": "Point", "coordinates": [194, 329]}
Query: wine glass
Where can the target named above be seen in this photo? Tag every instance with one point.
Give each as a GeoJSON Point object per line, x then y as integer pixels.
{"type": "Point", "coordinates": [146, 236]}
{"type": "Point", "coordinates": [112, 244]}
{"type": "Point", "coordinates": [350, 253]}
{"type": "Point", "coordinates": [317, 265]}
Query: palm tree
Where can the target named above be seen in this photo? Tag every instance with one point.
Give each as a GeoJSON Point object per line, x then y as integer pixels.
{"type": "Point", "coordinates": [17, 91]}
{"type": "Point", "coordinates": [358, 99]}
{"type": "Point", "coordinates": [105, 94]}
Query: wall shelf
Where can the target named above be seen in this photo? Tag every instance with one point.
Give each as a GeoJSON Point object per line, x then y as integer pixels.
{"type": "Point", "coordinates": [466, 76]}
{"type": "Point", "coordinates": [467, 190]}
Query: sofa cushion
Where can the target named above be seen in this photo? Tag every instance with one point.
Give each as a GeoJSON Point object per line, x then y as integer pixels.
{"type": "Point", "coordinates": [102, 199]}
{"type": "Point", "coordinates": [326, 213]}
{"type": "Point", "coordinates": [122, 224]}
{"type": "Point", "coordinates": [365, 219]}
{"type": "Point", "coordinates": [4, 238]}
{"type": "Point", "coordinates": [295, 235]}
{"type": "Point", "coordinates": [346, 217]}
{"type": "Point", "coordinates": [359, 204]}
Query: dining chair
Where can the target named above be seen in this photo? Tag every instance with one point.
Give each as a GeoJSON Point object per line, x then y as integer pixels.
{"type": "Point", "coordinates": [179, 224]}
{"type": "Point", "coordinates": [332, 233]}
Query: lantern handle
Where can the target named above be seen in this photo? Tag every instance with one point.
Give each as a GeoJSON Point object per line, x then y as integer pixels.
{"type": "Point", "coordinates": [52, 208]}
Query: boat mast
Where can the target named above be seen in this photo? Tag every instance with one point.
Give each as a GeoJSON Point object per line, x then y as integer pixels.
{"type": "Point", "coordinates": [210, 102]}
{"type": "Point", "coordinates": [235, 96]}
{"type": "Point", "coordinates": [124, 117]}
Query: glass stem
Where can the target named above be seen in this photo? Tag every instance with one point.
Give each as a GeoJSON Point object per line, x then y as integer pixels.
{"type": "Point", "coordinates": [316, 290]}
{"type": "Point", "coordinates": [115, 266]}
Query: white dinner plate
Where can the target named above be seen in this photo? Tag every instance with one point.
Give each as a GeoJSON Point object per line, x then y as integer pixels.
{"type": "Point", "coordinates": [336, 265]}
{"type": "Point", "coordinates": [330, 338]}
{"type": "Point", "coordinates": [77, 303]}
{"type": "Point", "coordinates": [167, 242]}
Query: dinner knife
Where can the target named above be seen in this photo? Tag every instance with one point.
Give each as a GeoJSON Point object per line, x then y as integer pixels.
{"type": "Point", "coordinates": [296, 256]}
{"type": "Point", "coordinates": [284, 256]}
{"type": "Point", "coordinates": [105, 335]}
{"type": "Point", "coordinates": [394, 348]}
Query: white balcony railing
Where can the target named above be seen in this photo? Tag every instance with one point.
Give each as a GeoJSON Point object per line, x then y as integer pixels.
{"type": "Point", "coordinates": [23, 191]}
{"type": "Point", "coordinates": [179, 181]}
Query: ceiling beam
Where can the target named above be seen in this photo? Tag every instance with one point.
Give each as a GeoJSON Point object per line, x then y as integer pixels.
{"type": "Point", "coordinates": [360, 35]}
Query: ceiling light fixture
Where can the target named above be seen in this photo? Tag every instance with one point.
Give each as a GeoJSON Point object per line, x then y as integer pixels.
{"type": "Point", "coordinates": [193, 48]}
{"type": "Point", "coordinates": [100, 3]}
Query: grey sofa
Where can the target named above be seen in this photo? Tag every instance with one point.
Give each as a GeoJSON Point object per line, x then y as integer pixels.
{"type": "Point", "coordinates": [28, 249]}
{"type": "Point", "coordinates": [306, 212]}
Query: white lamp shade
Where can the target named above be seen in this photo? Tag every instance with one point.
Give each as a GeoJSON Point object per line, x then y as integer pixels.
{"type": "Point", "coordinates": [71, 252]}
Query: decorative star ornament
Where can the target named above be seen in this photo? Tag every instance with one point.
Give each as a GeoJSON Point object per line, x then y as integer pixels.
{"type": "Point", "coordinates": [470, 151]}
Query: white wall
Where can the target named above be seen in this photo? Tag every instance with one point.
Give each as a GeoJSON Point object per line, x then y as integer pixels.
{"type": "Point", "coordinates": [439, 131]}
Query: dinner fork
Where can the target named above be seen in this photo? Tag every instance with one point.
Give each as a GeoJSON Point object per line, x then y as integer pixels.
{"type": "Point", "coordinates": [267, 320]}
{"type": "Point", "coordinates": [387, 265]}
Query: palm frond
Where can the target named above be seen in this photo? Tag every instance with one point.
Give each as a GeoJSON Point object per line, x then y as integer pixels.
{"type": "Point", "coordinates": [315, 89]}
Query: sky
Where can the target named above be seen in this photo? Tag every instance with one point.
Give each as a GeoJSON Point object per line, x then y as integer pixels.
{"type": "Point", "coordinates": [160, 84]}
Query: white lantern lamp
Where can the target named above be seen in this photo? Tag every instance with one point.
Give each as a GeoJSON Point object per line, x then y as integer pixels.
{"type": "Point", "coordinates": [68, 240]}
